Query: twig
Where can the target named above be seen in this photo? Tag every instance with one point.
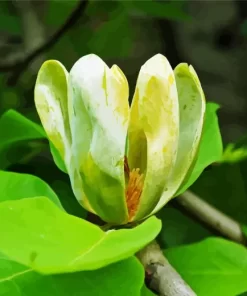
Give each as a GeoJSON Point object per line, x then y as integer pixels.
{"type": "Point", "coordinates": [212, 217]}
{"type": "Point", "coordinates": [33, 29]}
{"type": "Point", "coordinates": [19, 67]}
{"type": "Point", "coordinates": [164, 278]}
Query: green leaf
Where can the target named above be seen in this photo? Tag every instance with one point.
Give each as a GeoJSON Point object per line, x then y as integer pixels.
{"type": "Point", "coordinates": [15, 186]}
{"type": "Point", "coordinates": [212, 267]}
{"type": "Point", "coordinates": [52, 241]}
{"type": "Point", "coordinates": [232, 154]}
{"type": "Point", "coordinates": [119, 279]}
{"type": "Point", "coordinates": [16, 129]}
{"type": "Point", "coordinates": [170, 11]}
{"type": "Point", "coordinates": [211, 147]}
{"type": "Point", "coordinates": [146, 292]}
{"type": "Point", "coordinates": [235, 152]}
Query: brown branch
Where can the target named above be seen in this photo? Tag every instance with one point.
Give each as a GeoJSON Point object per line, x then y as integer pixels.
{"type": "Point", "coordinates": [33, 30]}
{"type": "Point", "coordinates": [20, 66]}
{"type": "Point", "coordinates": [210, 216]}
{"type": "Point", "coordinates": [164, 279]}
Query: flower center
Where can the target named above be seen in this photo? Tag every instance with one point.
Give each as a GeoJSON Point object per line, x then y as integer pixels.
{"type": "Point", "coordinates": [133, 189]}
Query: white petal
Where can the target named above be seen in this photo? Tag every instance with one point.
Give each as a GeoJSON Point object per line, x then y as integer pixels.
{"type": "Point", "coordinates": [99, 128]}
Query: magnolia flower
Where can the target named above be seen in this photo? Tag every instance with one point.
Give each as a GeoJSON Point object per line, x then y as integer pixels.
{"type": "Point", "coordinates": [124, 163]}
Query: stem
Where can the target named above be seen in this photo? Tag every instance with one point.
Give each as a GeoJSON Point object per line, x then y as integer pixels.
{"type": "Point", "coordinates": [206, 213]}
{"type": "Point", "coordinates": [106, 226]}
{"type": "Point", "coordinates": [164, 278]}
{"type": "Point", "coordinates": [32, 28]}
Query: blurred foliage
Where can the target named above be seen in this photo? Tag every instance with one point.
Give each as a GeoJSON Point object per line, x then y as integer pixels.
{"type": "Point", "coordinates": [233, 154]}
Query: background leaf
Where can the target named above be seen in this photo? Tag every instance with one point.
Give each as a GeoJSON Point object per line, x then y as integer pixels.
{"type": "Point", "coordinates": [146, 292]}
{"type": "Point", "coordinates": [178, 229]}
{"type": "Point", "coordinates": [20, 142]}
{"type": "Point", "coordinates": [212, 267]}
{"type": "Point", "coordinates": [15, 129]}
{"type": "Point", "coordinates": [225, 187]}
{"type": "Point", "coordinates": [232, 154]}
{"type": "Point", "coordinates": [51, 241]}
{"type": "Point", "coordinates": [119, 279]}
{"type": "Point", "coordinates": [16, 186]}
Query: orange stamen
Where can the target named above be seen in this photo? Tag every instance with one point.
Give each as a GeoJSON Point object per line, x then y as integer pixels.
{"type": "Point", "coordinates": [134, 188]}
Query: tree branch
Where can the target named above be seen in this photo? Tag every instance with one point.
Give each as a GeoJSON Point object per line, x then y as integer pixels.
{"type": "Point", "coordinates": [33, 29]}
{"type": "Point", "coordinates": [212, 217]}
{"type": "Point", "coordinates": [164, 278]}
{"type": "Point", "coordinates": [20, 66]}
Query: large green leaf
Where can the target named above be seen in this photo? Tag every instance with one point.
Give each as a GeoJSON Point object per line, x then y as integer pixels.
{"type": "Point", "coordinates": [52, 241]}
{"type": "Point", "coordinates": [211, 147]}
{"type": "Point", "coordinates": [212, 267]}
{"type": "Point", "coordinates": [16, 129]}
{"type": "Point", "coordinates": [15, 186]}
{"type": "Point", "coordinates": [119, 279]}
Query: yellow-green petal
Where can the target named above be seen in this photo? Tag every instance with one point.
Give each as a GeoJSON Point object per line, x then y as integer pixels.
{"type": "Point", "coordinates": [120, 103]}
{"type": "Point", "coordinates": [99, 128]}
{"type": "Point", "coordinates": [154, 129]}
{"type": "Point", "coordinates": [51, 100]}
{"type": "Point", "coordinates": [52, 104]}
{"type": "Point", "coordinates": [191, 114]}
